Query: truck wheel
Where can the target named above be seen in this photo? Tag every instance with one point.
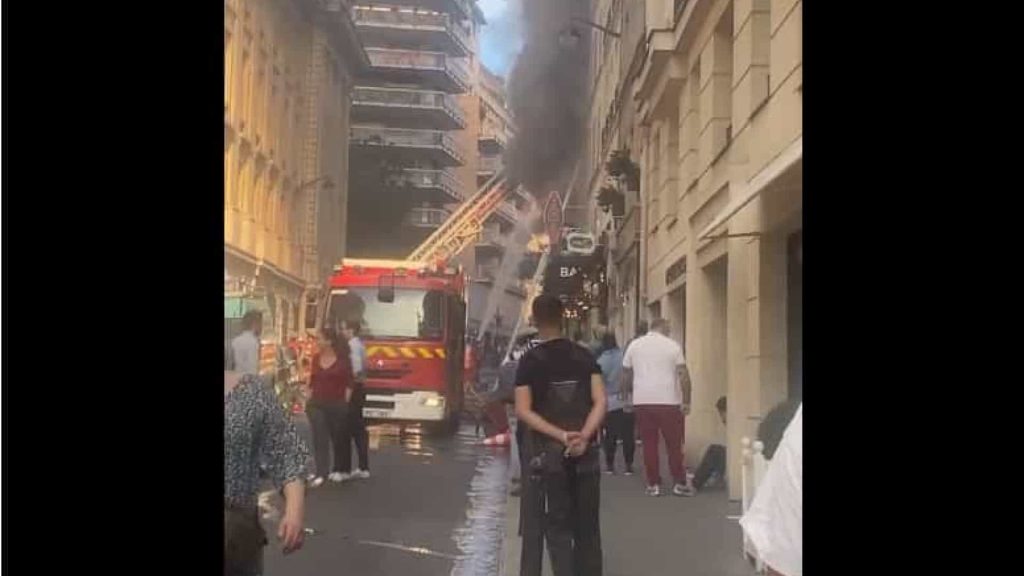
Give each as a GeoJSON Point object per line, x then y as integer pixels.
{"type": "Point", "coordinates": [446, 427]}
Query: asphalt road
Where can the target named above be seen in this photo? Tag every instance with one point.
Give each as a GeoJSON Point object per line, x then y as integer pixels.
{"type": "Point", "coordinates": [434, 505]}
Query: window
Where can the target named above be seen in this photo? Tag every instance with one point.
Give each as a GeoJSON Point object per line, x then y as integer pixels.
{"type": "Point", "coordinates": [415, 313]}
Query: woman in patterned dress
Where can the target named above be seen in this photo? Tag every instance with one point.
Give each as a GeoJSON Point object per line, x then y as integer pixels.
{"type": "Point", "coordinates": [257, 431]}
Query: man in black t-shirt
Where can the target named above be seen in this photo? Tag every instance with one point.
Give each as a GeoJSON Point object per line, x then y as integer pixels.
{"type": "Point", "coordinates": [560, 398]}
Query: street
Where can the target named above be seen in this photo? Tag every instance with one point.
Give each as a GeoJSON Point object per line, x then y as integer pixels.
{"type": "Point", "coordinates": [434, 505]}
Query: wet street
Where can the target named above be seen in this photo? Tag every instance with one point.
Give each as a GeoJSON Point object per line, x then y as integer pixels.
{"type": "Point", "coordinates": [434, 505]}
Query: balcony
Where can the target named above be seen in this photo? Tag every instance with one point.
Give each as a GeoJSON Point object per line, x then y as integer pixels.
{"type": "Point", "coordinates": [407, 107]}
{"type": "Point", "coordinates": [403, 28]}
{"type": "Point", "coordinates": [490, 243]}
{"type": "Point", "coordinates": [426, 217]}
{"type": "Point", "coordinates": [436, 185]}
{"type": "Point", "coordinates": [410, 145]}
{"type": "Point", "coordinates": [506, 215]}
{"type": "Point", "coordinates": [434, 70]}
{"type": "Point", "coordinates": [460, 8]}
{"type": "Point", "coordinates": [489, 165]}
{"type": "Point", "coordinates": [492, 139]}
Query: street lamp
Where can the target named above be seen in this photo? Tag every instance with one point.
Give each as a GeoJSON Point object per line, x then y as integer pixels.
{"type": "Point", "coordinates": [570, 37]}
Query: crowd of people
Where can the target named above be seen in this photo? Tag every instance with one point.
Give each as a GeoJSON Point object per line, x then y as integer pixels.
{"type": "Point", "coordinates": [262, 443]}
{"type": "Point", "coordinates": [571, 400]}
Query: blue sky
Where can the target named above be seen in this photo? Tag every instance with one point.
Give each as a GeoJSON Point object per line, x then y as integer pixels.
{"type": "Point", "coordinates": [501, 39]}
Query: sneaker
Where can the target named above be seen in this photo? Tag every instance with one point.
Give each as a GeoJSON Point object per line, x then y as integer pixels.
{"type": "Point", "coordinates": [339, 477]}
{"type": "Point", "coordinates": [629, 471]}
{"type": "Point", "coordinates": [316, 482]}
{"type": "Point", "coordinates": [654, 490]}
{"type": "Point", "coordinates": [609, 471]}
{"type": "Point", "coordinates": [683, 490]}
{"type": "Point", "coordinates": [363, 474]}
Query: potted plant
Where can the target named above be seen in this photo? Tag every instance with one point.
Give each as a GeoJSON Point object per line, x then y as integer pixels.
{"type": "Point", "coordinates": [620, 165]}
{"type": "Point", "coordinates": [610, 199]}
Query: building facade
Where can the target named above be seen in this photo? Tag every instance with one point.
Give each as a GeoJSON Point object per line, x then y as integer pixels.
{"type": "Point", "coordinates": [496, 290]}
{"type": "Point", "coordinates": [288, 68]}
{"type": "Point", "coordinates": [408, 139]}
{"type": "Point", "coordinates": [717, 137]}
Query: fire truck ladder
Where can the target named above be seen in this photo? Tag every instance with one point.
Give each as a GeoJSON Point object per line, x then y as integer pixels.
{"type": "Point", "coordinates": [463, 227]}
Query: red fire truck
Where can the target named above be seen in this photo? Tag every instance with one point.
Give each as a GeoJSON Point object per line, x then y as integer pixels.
{"type": "Point", "coordinates": [413, 319]}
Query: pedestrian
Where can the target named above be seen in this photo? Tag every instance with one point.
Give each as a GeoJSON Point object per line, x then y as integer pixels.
{"type": "Point", "coordinates": [620, 422]}
{"type": "Point", "coordinates": [560, 398]}
{"type": "Point", "coordinates": [258, 434]}
{"type": "Point", "coordinates": [245, 348]}
{"type": "Point", "coordinates": [497, 401]}
{"type": "Point", "coordinates": [330, 383]}
{"type": "Point", "coordinates": [774, 521]}
{"type": "Point", "coordinates": [655, 371]}
{"type": "Point", "coordinates": [356, 423]}
{"type": "Point", "coordinates": [713, 462]}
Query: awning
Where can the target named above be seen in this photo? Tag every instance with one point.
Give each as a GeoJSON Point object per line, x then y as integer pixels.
{"type": "Point", "coordinates": [790, 156]}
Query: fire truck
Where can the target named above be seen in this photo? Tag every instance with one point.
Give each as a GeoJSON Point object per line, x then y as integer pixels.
{"type": "Point", "coordinates": [413, 320]}
{"type": "Point", "coordinates": [412, 314]}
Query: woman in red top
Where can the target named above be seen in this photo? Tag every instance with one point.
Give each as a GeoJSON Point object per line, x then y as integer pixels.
{"type": "Point", "coordinates": [330, 382]}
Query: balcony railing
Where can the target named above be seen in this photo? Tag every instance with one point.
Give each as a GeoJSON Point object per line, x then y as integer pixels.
{"type": "Point", "coordinates": [369, 16]}
{"type": "Point", "coordinates": [494, 133]}
{"type": "Point", "coordinates": [458, 69]}
{"type": "Point", "coordinates": [465, 6]}
{"type": "Point", "coordinates": [508, 210]}
{"type": "Point", "coordinates": [427, 217]}
{"type": "Point", "coordinates": [490, 164]}
{"type": "Point", "coordinates": [439, 179]}
{"type": "Point", "coordinates": [405, 97]}
{"type": "Point", "coordinates": [420, 60]}
{"type": "Point", "coordinates": [405, 138]}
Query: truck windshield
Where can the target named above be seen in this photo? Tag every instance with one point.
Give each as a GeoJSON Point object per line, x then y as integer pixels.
{"type": "Point", "coordinates": [414, 313]}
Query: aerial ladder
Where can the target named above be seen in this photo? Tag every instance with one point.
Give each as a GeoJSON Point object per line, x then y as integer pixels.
{"type": "Point", "coordinates": [464, 226]}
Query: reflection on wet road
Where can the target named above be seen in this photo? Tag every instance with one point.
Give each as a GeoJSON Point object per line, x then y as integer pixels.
{"type": "Point", "coordinates": [434, 505]}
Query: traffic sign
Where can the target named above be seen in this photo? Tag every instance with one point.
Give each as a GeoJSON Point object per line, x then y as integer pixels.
{"type": "Point", "coordinates": [553, 219]}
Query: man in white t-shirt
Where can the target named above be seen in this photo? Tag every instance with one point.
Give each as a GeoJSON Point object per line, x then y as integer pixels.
{"type": "Point", "coordinates": [655, 369]}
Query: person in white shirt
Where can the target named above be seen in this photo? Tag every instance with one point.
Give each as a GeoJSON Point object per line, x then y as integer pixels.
{"type": "Point", "coordinates": [774, 521]}
{"type": "Point", "coordinates": [654, 369]}
{"type": "Point", "coordinates": [245, 348]}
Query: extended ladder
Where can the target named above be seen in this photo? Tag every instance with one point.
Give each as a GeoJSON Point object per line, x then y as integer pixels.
{"type": "Point", "coordinates": [463, 227]}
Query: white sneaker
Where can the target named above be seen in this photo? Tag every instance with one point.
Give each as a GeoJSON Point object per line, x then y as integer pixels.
{"type": "Point", "coordinates": [316, 482]}
{"type": "Point", "coordinates": [338, 477]}
{"type": "Point", "coordinates": [364, 474]}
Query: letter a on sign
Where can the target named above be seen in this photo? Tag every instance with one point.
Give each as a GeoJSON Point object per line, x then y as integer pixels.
{"type": "Point", "coordinates": [553, 220]}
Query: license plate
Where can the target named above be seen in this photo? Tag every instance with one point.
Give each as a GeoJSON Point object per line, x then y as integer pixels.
{"type": "Point", "coordinates": [374, 413]}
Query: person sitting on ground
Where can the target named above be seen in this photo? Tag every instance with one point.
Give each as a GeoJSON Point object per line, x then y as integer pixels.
{"type": "Point", "coordinates": [713, 462]}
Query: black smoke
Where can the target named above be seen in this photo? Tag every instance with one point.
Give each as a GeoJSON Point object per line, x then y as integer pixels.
{"type": "Point", "coordinates": [548, 94]}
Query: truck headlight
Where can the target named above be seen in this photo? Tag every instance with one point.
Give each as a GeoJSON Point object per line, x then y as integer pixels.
{"type": "Point", "coordinates": [433, 402]}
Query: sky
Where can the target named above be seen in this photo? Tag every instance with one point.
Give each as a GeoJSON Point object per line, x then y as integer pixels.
{"type": "Point", "coordinates": [501, 39]}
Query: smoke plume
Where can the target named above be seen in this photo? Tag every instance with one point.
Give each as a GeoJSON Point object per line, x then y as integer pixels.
{"type": "Point", "coordinates": [548, 94]}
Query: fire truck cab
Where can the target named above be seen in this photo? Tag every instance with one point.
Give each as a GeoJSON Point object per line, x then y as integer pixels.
{"type": "Point", "coordinates": [413, 319]}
